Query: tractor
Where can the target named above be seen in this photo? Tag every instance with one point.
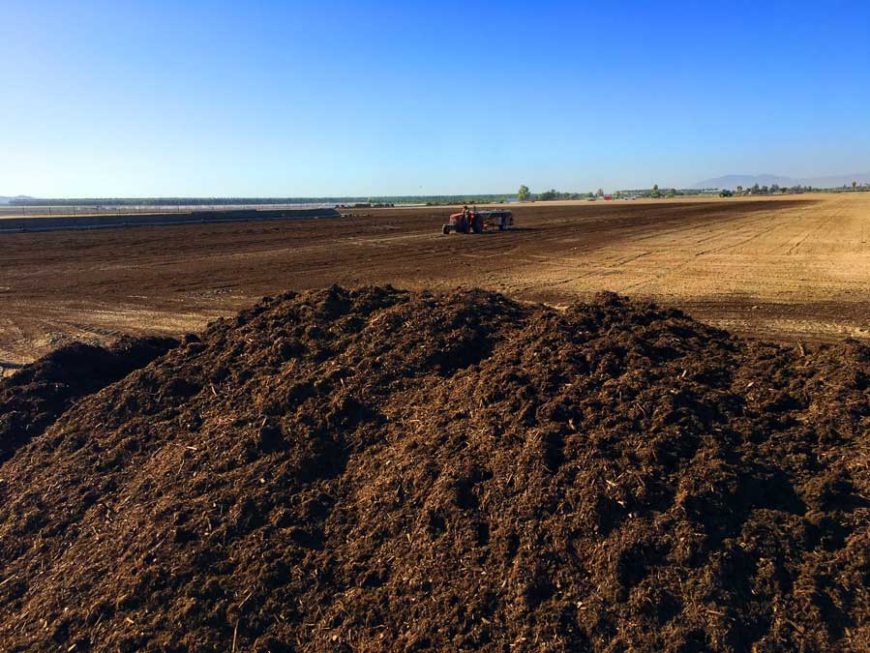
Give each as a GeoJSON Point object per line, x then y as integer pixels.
{"type": "Point", "coordinates": [473, 221]}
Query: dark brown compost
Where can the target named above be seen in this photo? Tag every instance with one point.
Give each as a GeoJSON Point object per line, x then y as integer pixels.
{"type": "Point", "coordinates": [379, 470]}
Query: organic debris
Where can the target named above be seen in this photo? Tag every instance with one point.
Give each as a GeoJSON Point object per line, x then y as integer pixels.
{"type": "Point", "coordinates": [379, 470]}
{"type": "Point", "coordinates": [35, 396]}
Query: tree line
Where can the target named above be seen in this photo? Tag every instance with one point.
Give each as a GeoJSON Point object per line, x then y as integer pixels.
{"type": "Point", "coordinates": [525, 195]}
{"type": "Point", "coordinates": [260, 201]}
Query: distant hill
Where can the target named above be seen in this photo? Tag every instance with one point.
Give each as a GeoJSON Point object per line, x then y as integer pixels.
{"type": "Point", "coordinates": [747, 181]}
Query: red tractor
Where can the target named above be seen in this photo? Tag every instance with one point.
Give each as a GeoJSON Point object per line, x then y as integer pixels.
{"type": "Point", "coordinates": [466, 222]}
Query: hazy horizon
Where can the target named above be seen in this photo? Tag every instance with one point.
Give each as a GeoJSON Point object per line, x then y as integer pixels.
{"type": "Point", "coordinates": [821, 182]}
{"type": "Point", "coordinates": [371, 99]}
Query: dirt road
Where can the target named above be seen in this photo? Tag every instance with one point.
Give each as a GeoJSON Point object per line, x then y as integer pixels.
{"type": "Point", "coordinates": [796, 267]}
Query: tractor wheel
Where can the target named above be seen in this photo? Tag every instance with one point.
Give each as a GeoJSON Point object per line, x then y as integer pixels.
{"type": "Point", "coordinates": [445, 229]}
{"type": "Point", "coordinates": [477, 225]}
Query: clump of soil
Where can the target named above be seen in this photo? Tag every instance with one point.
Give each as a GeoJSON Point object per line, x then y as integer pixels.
{"type": "Point", "coordinates": [377, 470]}
{"type": "Point", "coordinates": [36, 395]}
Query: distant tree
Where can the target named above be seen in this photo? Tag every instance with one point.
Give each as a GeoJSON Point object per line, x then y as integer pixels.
{"type": "Point", "coordinates": [740, 189]}
{"type": "Point", "coordinates": [655, 191]}
{"type": "Point", "coordinates": [854, 185]}
{"type": "Point", "coordinates": [600, 192]}
{"type": "Point", "coordinates": [523, 193]}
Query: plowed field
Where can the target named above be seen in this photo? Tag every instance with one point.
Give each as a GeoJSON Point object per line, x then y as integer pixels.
{"type": "Point", "coordinates": [792, 268]}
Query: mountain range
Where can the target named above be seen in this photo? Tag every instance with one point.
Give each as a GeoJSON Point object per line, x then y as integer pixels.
{"type": "Point", "coordinates": [747, 181]}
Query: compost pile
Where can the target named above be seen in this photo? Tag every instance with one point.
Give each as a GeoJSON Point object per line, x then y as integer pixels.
{"type": "Point", "coordinates": [378, 470]}
{"type": "Point", "coordinates": [36, 396]}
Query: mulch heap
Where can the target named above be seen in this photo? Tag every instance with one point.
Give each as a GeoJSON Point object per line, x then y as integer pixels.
{"type": "Point", "coordinates": [34, 397]}
{"type": "Point", "coordinates": [379, 470]}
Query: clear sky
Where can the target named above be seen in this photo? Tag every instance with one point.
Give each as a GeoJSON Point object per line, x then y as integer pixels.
{"type": "Point", "coordinates": [158, 98]}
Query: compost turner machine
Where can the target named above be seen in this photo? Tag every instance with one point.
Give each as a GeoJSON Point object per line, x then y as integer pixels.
{"type": "Point", "coordinates": [476, 222]}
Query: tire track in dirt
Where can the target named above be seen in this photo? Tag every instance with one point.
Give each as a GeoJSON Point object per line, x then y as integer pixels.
{"type": "Point", "coordinates": [779, 258]}
{"type": "Point", "coordinates": [557, 253]}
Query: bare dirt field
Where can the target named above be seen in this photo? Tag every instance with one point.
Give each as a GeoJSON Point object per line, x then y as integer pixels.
{"type": "Point", "coordinates": [377, 469]}
{"type": "Point", "coordinates": [790, 268]}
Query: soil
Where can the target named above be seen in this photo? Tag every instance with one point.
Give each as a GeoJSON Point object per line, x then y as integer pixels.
{"type": "Point", "coordinates": [792, 268]}
{"type": "Point", "coordinates": [34, 397]}
{"type": "Point", "coordinates": [383, 470]}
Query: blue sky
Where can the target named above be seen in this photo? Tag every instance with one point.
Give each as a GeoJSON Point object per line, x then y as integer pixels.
{"type": "Point", "coordinates": [369, 98]}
